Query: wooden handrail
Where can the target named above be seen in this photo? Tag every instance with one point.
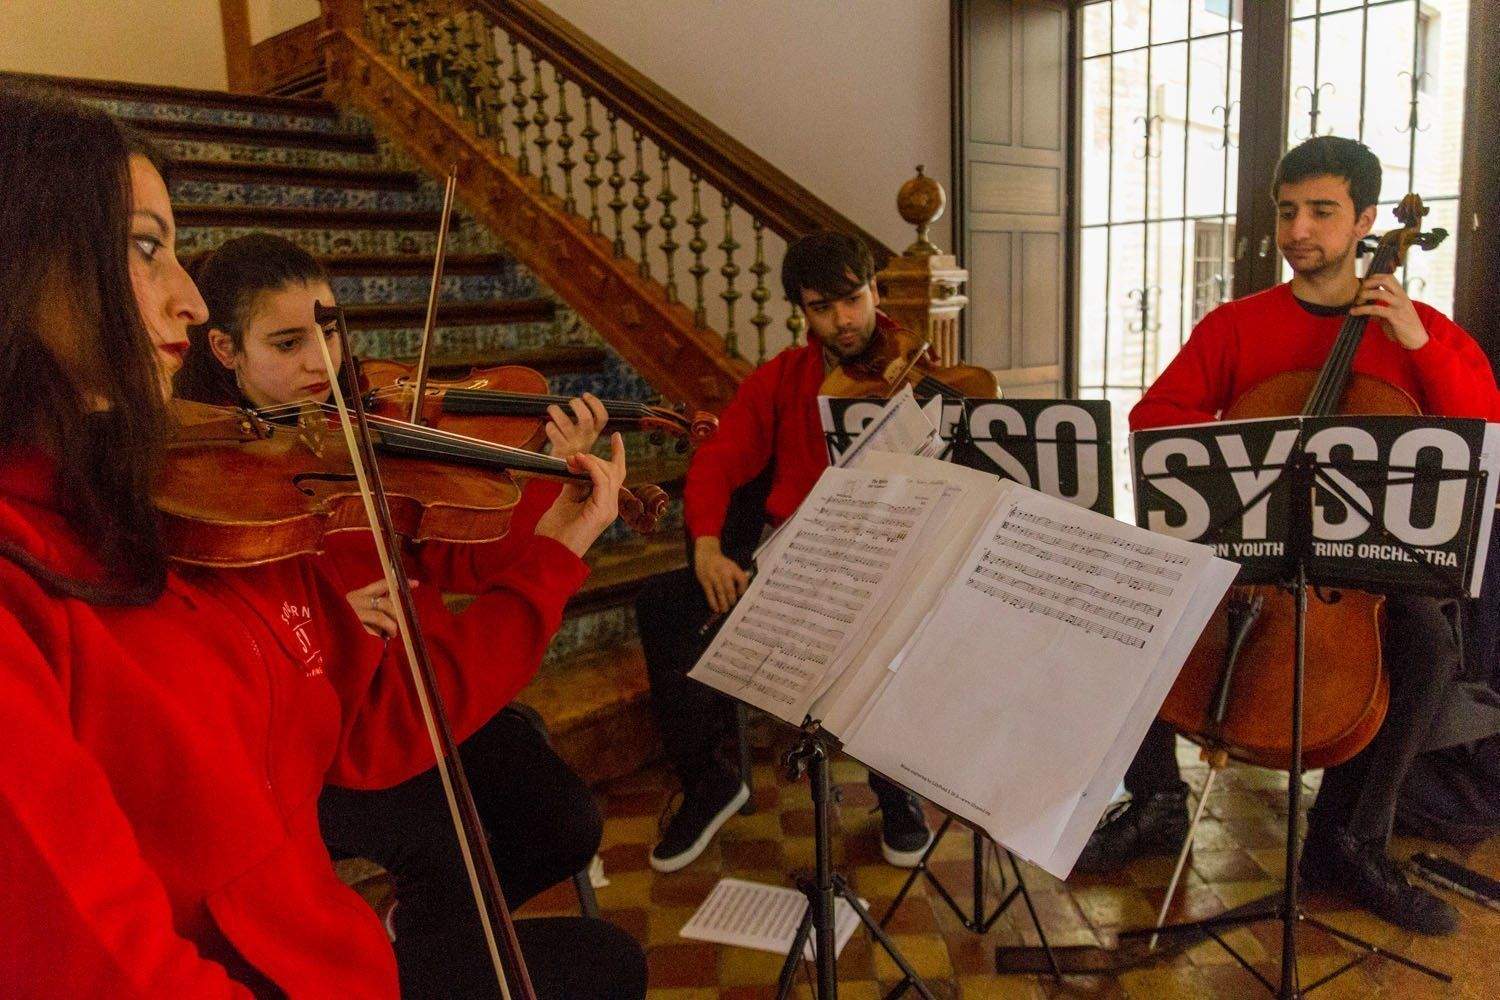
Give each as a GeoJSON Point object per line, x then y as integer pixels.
{"type": "Point", "coordinates": [786, 207]}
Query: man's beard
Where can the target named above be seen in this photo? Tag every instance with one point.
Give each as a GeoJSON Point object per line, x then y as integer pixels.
{"type": "Point", "coordinates": [867, 338]}
{"type": "Point", "coordinates": [1326, 265]}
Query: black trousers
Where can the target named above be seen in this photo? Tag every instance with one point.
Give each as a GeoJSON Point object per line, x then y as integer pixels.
{"type": "Point", "coordinates": [1421, 657]}
{"type": "Point", "coordinates": [544, 826]}
{"type": "Point", "coordinates": [693, 717]}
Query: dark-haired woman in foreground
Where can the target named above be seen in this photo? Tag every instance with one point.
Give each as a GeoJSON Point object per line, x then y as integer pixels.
{"type": "Point", "coordinates": [168, 731]}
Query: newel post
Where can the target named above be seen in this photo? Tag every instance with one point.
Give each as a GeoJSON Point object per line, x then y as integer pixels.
{"type": "Point", "coordinates": [920, 288]}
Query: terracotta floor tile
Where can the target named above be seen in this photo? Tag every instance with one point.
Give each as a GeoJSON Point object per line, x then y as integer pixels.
{"type": "Point", "coordinates": [1237, 858]}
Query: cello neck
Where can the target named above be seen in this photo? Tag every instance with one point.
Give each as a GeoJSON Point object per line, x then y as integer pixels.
{"type": "Point", "coordinates": [1328, 392]}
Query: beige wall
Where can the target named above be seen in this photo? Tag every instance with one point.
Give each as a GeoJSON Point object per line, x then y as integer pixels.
{"type": "Point", "coordinates": [177, 42]}
{"type": "Point", "coordinates": [272, 17]}
{"type": "Point", "coordinates": [846, 96]}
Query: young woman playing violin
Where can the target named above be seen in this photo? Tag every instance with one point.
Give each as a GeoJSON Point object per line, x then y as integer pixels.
{"type": "Point", "coordinates": [259, 349]}
{"type": "Point", "coordinates": [170, 728]}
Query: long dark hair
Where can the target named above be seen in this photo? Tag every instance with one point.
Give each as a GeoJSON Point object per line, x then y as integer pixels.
{"type": "Point", "coordinates": [78, 376]}
{"type": "Point", "coordinates": [230, 280]}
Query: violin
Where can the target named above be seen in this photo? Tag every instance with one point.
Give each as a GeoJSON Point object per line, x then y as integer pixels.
{"type": "Point", "coordinates": [507, 404]}
{"type": "Point", "coordinates": [1234, 694]}
{"type": "Point", "coordinates": [296, 482]}
{"type": "Point", "coordinates": [895, 358]}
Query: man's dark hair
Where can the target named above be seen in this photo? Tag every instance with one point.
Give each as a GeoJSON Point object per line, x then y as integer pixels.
{"type": "Point", "coordinates": [231, 280]}
{"type": "Point", "coordinates": [1331, 155]}
{"type": "Point", "coordinates": [79, 380]}
{"type": "Point", "coordinates": [824, 262]}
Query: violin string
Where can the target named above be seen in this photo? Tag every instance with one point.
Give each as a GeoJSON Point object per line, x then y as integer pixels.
{"type": "Point", "coordinates": [620, 408]}
{"type": "Point", "coordinates": [1345, 347]}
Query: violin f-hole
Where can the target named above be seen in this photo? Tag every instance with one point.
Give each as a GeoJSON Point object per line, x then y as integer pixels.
{"type": "Point", "coordinates": [319, 477]}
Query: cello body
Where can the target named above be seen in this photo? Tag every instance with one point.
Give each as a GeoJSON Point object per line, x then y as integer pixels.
{"type": "Point", "coordinates": [1345, 691]}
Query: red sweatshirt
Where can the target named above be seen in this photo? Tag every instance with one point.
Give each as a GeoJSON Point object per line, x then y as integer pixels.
{"type": "Point", "coordinates": [1242, 343]}
{"type": "Point", "coordinates": [162, 764]}
{"type": "Point", "coordinates": [774, 416]}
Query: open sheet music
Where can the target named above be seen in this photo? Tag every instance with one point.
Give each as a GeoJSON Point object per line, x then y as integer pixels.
{"type": "Point", "coordinates": [998, 651]}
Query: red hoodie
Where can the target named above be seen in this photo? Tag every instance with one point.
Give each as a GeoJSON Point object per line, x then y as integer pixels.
{"type": "Point", "coordinates": [1242, 343]}
{"type": "Point", "coordinates": [774, 416]}
{"type": "Point", "coordinates": [162, 764]}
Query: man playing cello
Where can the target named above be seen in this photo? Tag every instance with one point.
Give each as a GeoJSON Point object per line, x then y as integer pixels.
{"type": "Point", "coordinates": [1325, 191]}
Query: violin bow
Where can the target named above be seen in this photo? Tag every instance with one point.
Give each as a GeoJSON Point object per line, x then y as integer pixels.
{"type": "Point", "coordinates": [424, 352]}
{"type": "Point", "coordinates": [499, 930]}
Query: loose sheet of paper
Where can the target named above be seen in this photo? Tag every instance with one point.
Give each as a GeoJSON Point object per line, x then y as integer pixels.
{"type": "Point", "coordinates": [807, 604]}
{"type": "Point", "coordinates": [1031, 669]}
{"type": "Point", "coordinates": [763, 917]}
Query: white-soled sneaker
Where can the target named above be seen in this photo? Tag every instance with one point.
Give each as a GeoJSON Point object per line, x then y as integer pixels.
{"type": "Point", "coordinates": [696, 821]}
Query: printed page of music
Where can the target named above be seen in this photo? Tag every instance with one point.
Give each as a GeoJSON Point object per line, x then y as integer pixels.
{"type": "Point", "coordinates": [1048, 652]}
{"type": "Point", "coordinates": [835, 568]}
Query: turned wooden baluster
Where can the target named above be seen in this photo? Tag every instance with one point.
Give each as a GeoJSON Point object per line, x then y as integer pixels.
{"type": "Point", "coordinates": [730, 272]}
{"type": "Point", "coordinates": [759, 294]}
{"type": "Point", "coordinates": [474, 67]}
{"type": "Point", "coordinates": [617, 201]}
{"type": "Point", "coordinates": [496, 102]}
{"type": "Point", "coordinates": [640, 203]}
{"type": "Point", "coordinates": [795, 325]}
{"type": "Point", "coordinates": [697, 245]}
{"type": "Point", "coordinates": [668, 222]}
{"type": "Point", "coordinates": [540, 120]}
{"type": "Point", "coordinates": [591, 160]}
{"type": "Point", "coordinates": [518, 102]}
{"type": "Point", "coordinates": [565, 161]}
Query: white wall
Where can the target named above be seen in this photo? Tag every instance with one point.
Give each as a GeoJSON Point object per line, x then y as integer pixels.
{"type": "Point", "coordinates": [175, 42]}
{"type": "Point", "coordinates": [272, 17]}
{"type": "Point", "coordinates": [845, 96]}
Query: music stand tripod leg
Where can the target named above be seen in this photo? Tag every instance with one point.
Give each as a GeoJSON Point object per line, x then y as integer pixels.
{"type": "Point", "coordinates": [810, 756]}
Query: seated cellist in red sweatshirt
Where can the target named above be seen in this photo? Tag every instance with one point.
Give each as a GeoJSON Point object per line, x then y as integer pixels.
{"type": "Point", "coordinates": [168, 731]}
{"type": "Point", "coordinates": [1326, 191]}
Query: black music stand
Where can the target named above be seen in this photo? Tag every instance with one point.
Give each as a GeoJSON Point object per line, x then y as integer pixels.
{"type": "Point", "coordinates": [976, 919]}
{"type": "Point", "coordinates": [810, 757]}
{"type": "Point", "coordinates": [1302, 475]}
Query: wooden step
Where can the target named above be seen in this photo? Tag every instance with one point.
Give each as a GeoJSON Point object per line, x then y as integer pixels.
{"type": "Point", "coordinates": [617, 574]}
{"type": "Point", "coordinates": [246, 135]}
{"type": "Point", "coordinates": [120, 90]}
{"type": "Point", "coordinates": [385, 315]}
{"type": "Point", "coordinates": [597, 708]}
{"type": "Point", "coordinates": [267, 217]}
{"type": "Point", "coordinates": [290, 175]}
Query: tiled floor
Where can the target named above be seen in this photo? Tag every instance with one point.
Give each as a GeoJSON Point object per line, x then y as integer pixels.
{"type": "Point", "coordinates": [1238, 857]}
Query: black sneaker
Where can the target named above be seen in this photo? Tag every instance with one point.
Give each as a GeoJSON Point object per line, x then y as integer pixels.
{"type": "Point", "coordinates": [903, 830]}
{"type": "Point", "coordinates": [1151, 825]}
{"type": "Point", "coordinates": [1362, 871]}
{"type": "Point", "coordinates": [706, 808]}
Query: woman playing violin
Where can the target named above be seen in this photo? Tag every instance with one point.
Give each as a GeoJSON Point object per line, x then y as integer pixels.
{"type": "Point", "coordinates": [259, 349]}
{"type": "Point", "coordinates": [170, 729]}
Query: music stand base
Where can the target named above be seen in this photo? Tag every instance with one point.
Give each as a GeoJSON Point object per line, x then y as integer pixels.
{"type": "Point", "coordinates": [976, 920]}
{"type": "Point", "coordinates": [810, 755]}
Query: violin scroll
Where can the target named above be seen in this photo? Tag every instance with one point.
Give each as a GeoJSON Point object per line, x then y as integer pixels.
{"type": "Point", "coordinates": [643, 507]}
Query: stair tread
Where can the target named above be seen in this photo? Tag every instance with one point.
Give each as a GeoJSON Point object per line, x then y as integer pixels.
{"type": "Point", "coordinates": [292, 174]}
{"type": "Point", "coordinates": [275, 217]}
{"type": "Point", "coordinates": [371, 314]}
{"type": "Point", "coordinates": [253, 135]}
{"type": "Point", "coordinates": [124, 90]}
{"type": "Point", "coordinates": [572, 693]}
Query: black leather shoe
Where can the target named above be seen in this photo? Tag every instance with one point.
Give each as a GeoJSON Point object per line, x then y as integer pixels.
{"type": "Point", "coordinates": [1136, 828]}
{"type": "Point", "coordinates": [1362, 871]}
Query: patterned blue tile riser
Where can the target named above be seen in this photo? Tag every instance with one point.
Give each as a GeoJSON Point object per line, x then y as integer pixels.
{"type": "Point", "coordinates": [617, 381]}
{"type": "Point", "coordinates": [511, 282]}
{"type": "Point", "coordinates": [670, 526]}
{"type": "Point", "coordinates": [231, 117]}
{"type": "Point", "coordinates": [233, 152]}
{"type": "Point", "coordinates": [194, 239]}
{"type": "Point", "coordinates": [469, 340]}
{"type": "Point", "coordinates": [303, 196]}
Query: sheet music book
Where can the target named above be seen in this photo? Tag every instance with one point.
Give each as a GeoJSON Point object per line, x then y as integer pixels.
{"type": "Point", "coordinates": [998, 651]}
{"type": "Point", "coordinates": [763, 917]}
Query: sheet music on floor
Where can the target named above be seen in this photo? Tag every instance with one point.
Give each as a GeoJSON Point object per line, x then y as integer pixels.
{"type": "Point", "coordinates": [1009, 667]}
{"type": "Point", "coordinates": [763, 917]}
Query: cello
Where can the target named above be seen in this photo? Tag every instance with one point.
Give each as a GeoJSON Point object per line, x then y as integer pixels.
{"type": "Point", "coordinates": [1234, 693]}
